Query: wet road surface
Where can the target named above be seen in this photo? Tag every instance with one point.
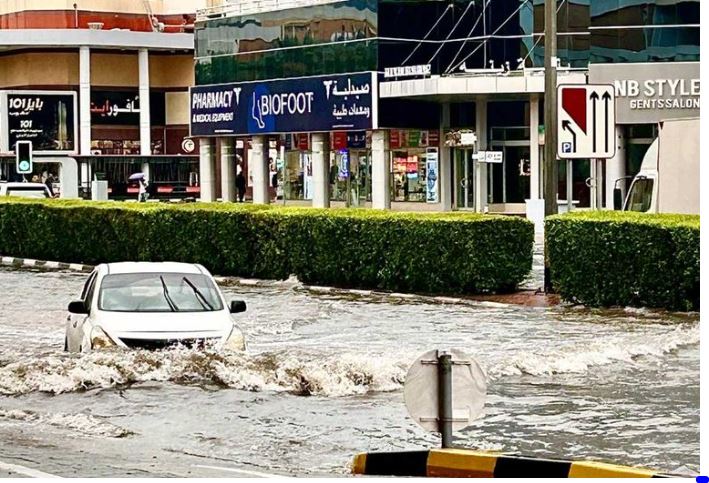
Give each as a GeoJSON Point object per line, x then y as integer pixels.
{"type": "Point", "coordinates": [322, 380]}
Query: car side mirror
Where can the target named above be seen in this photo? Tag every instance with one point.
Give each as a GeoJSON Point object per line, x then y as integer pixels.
{"type": "Point", "coordinates": [78, 307]}
{"type": "Point", "coordinates": [237, 306]}
{"type": "Point", "coordinates": [617, 199]}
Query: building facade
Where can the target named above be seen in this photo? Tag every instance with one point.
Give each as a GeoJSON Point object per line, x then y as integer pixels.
{"type": "Point", "coordinates": [443, 80]}
{"type": "Point", "coordinates": [100, 88]}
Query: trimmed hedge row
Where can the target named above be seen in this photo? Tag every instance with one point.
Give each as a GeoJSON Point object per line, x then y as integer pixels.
{"type": "Point", "coordinates": [608, 258]}
{"type": "Point", "coordinates": [426, 253]}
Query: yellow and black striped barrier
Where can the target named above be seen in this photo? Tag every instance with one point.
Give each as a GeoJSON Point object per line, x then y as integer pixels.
{"type": "Point", "coordinates": [451, 463]}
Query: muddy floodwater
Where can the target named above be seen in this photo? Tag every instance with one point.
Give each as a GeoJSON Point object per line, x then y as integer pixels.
{"type": "Point", "coordinates": [322, 380]}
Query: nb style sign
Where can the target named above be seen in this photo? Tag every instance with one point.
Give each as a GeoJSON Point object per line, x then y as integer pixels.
{"type": "Point", "coordinates": [586, 121]}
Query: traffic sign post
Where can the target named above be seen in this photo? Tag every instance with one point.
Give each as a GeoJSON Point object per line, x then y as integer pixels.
{"type": "Point", "coordinates": [586, 122]}
{"type": "Point", "coordinates": [23, 157]}
{"type": "Point", "coordinates": [444, 392]}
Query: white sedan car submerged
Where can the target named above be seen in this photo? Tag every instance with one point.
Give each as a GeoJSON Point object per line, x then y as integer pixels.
{"type": "Point", "coordinates": [146, 305]}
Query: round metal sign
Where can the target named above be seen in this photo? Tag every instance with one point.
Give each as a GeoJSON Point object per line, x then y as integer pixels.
{"type": "Point", "coordinates": [468, 390]}
{"type": "Point", "coordinates": [188, 145]}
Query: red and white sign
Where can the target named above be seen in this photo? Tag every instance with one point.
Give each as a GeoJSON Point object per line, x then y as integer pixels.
{"type": "Point", "coordinates": [586, 122]}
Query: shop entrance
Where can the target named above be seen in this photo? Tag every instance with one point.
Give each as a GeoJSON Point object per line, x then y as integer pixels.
{"type": "Point", "coordinates": [510, 180]}
{"type": "Point", "coordinates": [351, 177]}
{"type": "Point", "coordinates": [464, 176]}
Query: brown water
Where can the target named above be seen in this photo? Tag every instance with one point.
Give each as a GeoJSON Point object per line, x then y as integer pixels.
{"type": "Point", "coordinates": [322, 380]}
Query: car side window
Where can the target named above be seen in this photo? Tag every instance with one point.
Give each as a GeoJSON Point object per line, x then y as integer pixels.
{"type": "Point", "coordinates": [88, 290]}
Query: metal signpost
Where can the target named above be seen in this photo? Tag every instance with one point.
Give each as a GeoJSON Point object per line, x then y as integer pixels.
{"type": "Point", "coordinates": [586, 122]}
{"type": "Point", "coordinates": [444, 392]}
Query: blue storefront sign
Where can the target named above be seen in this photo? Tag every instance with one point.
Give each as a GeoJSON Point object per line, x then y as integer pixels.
{"type": "Point", "coordinates": [309, 104]}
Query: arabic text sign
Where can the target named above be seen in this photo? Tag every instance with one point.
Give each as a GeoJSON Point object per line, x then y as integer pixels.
{"type": "Point", "coordinates": [47, 119]}
{"type": "Point", "coordinates": [312, 104]}
{"type": "Point", "coordinates": [123, 108]}
{"type": "Point", "coordinates": [586, 122]}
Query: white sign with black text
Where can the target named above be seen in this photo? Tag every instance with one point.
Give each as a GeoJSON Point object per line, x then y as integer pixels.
{"type": "Point", "coordinates": [489, 156]}
{"type": "Point", "coordinates": [407, 71]}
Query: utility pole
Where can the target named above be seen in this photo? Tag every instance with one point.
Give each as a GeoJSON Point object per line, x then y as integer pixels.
{"type": "Point", "coordinates": [551, 167]}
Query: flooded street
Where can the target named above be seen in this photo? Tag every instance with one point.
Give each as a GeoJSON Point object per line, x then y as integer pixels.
{"type": "Point", "coordinates": [322, 380]}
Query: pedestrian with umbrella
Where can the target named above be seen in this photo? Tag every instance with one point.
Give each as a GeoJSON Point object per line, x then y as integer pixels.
{"type": "Point", "coordinates": [142, 186]}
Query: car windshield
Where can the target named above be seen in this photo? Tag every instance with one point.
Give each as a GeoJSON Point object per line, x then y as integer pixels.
{"type": "Point", "coordinates": [158, 292]}
{"type": "Point", "coordinates": [640, 195]}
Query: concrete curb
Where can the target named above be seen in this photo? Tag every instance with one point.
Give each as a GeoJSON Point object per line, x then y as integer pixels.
{"type": "Point", "coordinates": [32, 263]}
{"type": "Point", "coordinates": [454, 463]}
{"type": "Point", "coordinates": [250, 282]}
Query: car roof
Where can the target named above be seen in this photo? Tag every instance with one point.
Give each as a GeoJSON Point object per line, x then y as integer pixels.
{"type": "Point", "coordinates": [152, 267]}
{"type": "Point", "coordinates": [16, 184]}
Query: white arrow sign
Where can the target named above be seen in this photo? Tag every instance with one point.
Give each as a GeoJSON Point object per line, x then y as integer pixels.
{"type": "Point", "coordinates": [586, 122]}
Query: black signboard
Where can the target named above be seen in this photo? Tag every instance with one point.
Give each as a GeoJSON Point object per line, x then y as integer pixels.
{"type": "Point", "coordinates": [45, 119]}
{"type": "Point", "coordinates": [122, 108]}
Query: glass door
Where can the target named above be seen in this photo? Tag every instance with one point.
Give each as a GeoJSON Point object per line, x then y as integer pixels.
{"type": "Point", "coordinates": [361, 180]}
{"type": "Point", "coordinates": [464, 173]}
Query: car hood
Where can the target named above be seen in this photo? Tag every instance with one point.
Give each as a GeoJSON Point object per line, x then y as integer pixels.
{"type": "Point", "coordinates": [165, 325]}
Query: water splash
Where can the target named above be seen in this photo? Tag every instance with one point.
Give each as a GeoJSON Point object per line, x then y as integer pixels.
{"type": "Point", "coordinates": [81, 423]}
{"type": "Point", "coordinates": [300, 373]}
{"type": "Point", "coordinates": [312, 372]}
{"type": "Point", "coordinates": [580, 357]}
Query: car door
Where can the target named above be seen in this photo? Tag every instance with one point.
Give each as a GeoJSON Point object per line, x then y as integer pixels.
{"type": "Point", "coordinates": [76, 322]}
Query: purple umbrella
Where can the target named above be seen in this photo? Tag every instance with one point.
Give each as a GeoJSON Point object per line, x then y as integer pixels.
{"type": "Point", "coordinates": [136, 176]}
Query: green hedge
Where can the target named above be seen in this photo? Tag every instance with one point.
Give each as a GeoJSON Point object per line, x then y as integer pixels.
{"type": "Point", "coordinates": [426, 253]}
{"type": "Point", "coordinates": [608, 258]}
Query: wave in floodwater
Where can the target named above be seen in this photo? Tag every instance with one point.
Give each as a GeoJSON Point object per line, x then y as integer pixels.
{"type": "Point", "coordinates": [81, 423]}
{"type": "Point", "coordinates": [299, 373]}
{"type": "Point", "coordinates": [310, 373]}
{"type": "Point", "coordinates": [578, 358]}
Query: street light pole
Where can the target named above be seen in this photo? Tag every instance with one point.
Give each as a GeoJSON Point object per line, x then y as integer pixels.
{"type": "Point", "coordinates": [551, 167]}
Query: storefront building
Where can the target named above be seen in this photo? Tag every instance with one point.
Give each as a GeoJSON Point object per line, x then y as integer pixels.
{"type": "Point", "coordinates": [448, 80]}
{"type": "Point", "coordinates": [102, 90]}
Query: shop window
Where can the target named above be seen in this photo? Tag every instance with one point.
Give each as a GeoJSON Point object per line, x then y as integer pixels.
{"type": "Point", "coordinates": [114, 147]}
{"type": "Point", "coordinates": [298, 175]}
{"type": "Point", "coordinates": [409, 175]}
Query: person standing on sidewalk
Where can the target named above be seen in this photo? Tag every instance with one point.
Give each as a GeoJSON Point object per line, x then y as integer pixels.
{"type": "Point", "coordinates": [142, 190]}
{"type": "Point", "coordinates": [241, 186]}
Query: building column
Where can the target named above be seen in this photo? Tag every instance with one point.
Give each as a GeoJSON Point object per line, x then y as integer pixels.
{"type": "Point", "coordinates": [85, 111]}
{"type": "Point", "coordinates": [207, 189]}
{"type": "Point", "coordinates": [321, 170]}
{"type": "Point", "coordinates": [258, 167]}
{"type": "Point", "coordinates": [615, 167]}
{"type": "Point", "coordinates": [445, 163]}
{"type": "Point", "coordinates": [381, 198]}
{"type": "Point", "coordinates": [481, 168]}
{"type": "Point", "coordinates": [535, 204]}
{"type": "Point", "coordinates": [535, 173]}
{"type": "Point", "coordinates": [228, 168]}
{"type": "Point", "coordinates": [84, 100]}
{"type": "Point", "coordinates": [144, 101]}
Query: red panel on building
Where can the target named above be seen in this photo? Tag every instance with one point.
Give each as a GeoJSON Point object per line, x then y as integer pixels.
{"type": "Point", "coordinates": [394, 139]}
{"type": "Point", "coordinates": [303, 141]}
{"type": "Point", "coordinates": [339, 140]}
